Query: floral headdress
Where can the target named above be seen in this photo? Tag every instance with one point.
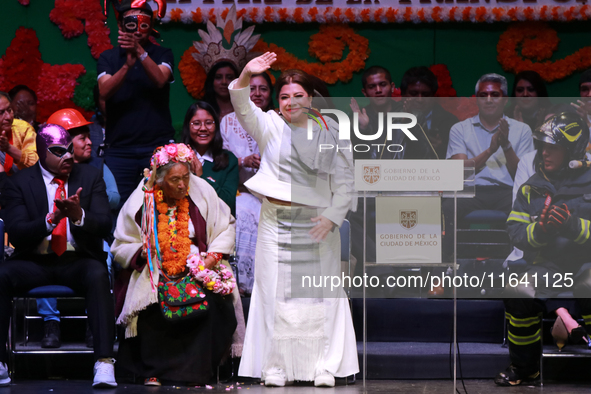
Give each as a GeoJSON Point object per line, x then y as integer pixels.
{"type": "Point", "coordinates": [225, 41]}
{"type": "Point", "coordinates": [168, 246]}
{"type": "Point", "coordinates": [171, 153]}
{"type": "Point", "coordinates": [177, 153]}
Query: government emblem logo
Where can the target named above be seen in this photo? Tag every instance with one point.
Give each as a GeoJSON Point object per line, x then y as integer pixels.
{"type": "Point", "coordinates": [409, 219]}
{"type": "Point", "coordinates": [371, 174]}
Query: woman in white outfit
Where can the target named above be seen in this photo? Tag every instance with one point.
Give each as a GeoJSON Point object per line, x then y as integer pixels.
{"type": "Point", "coordinates": [248, 207]}
{"type": "Point", "coordinates": [305, 196]}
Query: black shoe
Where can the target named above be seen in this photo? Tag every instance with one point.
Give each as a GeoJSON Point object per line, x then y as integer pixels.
{"type": "Point", "coordinates": [510, 377]}
{"type": "Point", "coordinates": [52, 334]}
{"type": "Point", "coordinates": [89, 339]}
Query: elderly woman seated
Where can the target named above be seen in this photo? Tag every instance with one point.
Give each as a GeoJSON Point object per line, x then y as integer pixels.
{"type": "Point", "coordinates": [178, 322]}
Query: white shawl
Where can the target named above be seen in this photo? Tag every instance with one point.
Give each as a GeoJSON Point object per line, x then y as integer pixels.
{"type": "Point", "coordinates": [221, 235]}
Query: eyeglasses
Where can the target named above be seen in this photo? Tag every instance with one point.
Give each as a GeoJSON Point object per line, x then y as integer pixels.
{"type": "Point", "coordinates": [60, 151]}
{"type": "Point", "coordinates": [7, 110]}
{"type": "Point", "coordinates": [208, 124]}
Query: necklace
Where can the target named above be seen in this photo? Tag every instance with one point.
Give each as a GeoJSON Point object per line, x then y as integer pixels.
{"type": "Point", "coordinates": [173, 233]}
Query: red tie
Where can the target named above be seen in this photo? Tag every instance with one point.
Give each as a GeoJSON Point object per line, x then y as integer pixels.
{"type": "Point", "coordinates": [59, 235]}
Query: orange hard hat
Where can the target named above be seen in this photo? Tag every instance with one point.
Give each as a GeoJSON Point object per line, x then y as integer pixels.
{"type": "Point", "coordinates": [68, 118]}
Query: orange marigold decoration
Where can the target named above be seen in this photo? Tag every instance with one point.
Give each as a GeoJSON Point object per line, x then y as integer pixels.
{"type": "Point", "coordinates": [327, 45]}
{"type": "Point", "coordinates": [175, 14]}
{"type": "Point", "coordinates": [197, 16]}
{"type": "Point", "coordinates": [435, 14]}
{"type": "Point", "coordinates": [173, 237]}
{"type": "Point", "coordinates": [389, 15]}
{"type": "Point", "coordinates": [536, 40]}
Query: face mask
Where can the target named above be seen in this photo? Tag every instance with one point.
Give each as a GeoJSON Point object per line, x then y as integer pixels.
{"type": "Point", "coordinates": [50, 135]}
{"type": "Point", "coordinates": [139, 23]}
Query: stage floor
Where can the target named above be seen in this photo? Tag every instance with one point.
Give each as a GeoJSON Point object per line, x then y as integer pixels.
{"type": "Point", "coordinates": [374, 386]}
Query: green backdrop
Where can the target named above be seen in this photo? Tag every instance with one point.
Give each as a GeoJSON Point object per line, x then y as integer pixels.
{"type": "Point", "coordinates": [469, 50]}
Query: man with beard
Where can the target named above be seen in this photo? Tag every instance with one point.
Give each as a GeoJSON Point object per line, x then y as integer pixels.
{"type": "Point", "coordinates": [57, 214]}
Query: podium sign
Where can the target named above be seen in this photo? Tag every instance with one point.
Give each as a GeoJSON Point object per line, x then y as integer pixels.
{"type": "Point", "coordinates": [409, 175]}
{"type": "Point", "coordinates": [408, 230]}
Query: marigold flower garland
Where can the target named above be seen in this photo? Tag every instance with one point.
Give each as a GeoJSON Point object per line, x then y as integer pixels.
{"type": "Point", "coordinates": [559, 13]}
{"type": "Point", "coordinates": [538, 41]}
{"type": "Point", "coordinates": [173, 238]}
{"type": "Point", "coordinates": [327, 45]}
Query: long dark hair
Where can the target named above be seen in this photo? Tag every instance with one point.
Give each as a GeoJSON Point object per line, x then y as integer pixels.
{"type": "Point", "coordinates": [267, 79]}
{"type": "Point", "coordinates": [209, 93]}
{"type": "Point", "coordinates": [536, 81]}
{"type": "Point", "coordinates": [220, 157]}
{"type": "Point", "coordinates": [532, 120]}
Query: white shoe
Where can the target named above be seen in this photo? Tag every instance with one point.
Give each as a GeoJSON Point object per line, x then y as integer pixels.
{"type": "Point", "coordinates": [4, 378]}
{"type": "Point", "coordinates": [104, 373]}
{"type": "Point", "coordinates": [274, 381]}
{"type": "Point", "coordinates": [275, 377]}
{"type": "Point", "coordinates": [324, 380]}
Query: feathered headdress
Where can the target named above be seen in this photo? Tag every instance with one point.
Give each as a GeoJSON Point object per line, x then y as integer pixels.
{"type": "Point", "coordinates": [226, 41]}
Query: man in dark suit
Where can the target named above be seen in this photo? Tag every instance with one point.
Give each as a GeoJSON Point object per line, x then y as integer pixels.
{"type": "Point", "coordinates": [418, 87]}
{"type": "Point", "coordinates": [58, 240]}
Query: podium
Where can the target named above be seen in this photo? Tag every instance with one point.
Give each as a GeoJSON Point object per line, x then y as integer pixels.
{"type": "Point", "coordinates": [408, 210]}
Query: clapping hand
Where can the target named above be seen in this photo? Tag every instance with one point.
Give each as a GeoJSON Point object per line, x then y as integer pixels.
{"type": "Point", "coordinates": [503, 132]}
{"type": "Point", "coordinates": [4, 144]}
{"type": "Point", "coordinates": [362, 114]}
{"type": "Point", "coordinates": [70, 207]}
{"type": "Point", "coordinates": [558, 216]}
{"type": "Point", "coordinates": [129, 42]}
{"type": "Point", "coordinates": [260, 64]}
{"type": "Point", "coordinates": [494, 143]}
{"type": "Point", "coordinates": [583, 108]}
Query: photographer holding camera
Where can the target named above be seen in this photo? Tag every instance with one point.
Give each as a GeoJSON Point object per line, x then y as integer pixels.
{"type": "Point", "coordinates": [134, 81]}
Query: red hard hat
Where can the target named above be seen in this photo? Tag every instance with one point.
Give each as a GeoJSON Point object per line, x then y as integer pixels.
{"type": "Point", "coordinates": [68, 118]}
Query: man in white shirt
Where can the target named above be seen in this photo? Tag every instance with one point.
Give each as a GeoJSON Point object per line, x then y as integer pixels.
{"type": "Point", "coordinates": [493, 143]}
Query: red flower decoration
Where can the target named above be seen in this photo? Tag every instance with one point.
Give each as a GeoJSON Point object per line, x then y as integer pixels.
{"type": "Point", "coordinates": [191, 290]}
{"type": "Point", "coordinates": [54, 84]}
{"type": "Point", "coordinates": [443, 80]}
{"type": "Point", "coordinates": [24, 2]}
{"type": "Point", "coordinates": [174, 292]}
{"type": "Point", "coordinates": [69, 14]}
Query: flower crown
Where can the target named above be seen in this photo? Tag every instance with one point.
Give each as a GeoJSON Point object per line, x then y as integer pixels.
{"type": "Point", "coordinates": [177, 153]}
